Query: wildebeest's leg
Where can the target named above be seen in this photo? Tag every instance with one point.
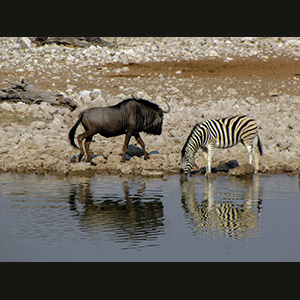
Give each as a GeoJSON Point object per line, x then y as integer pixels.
{"type": "Point", "coordinates": [141, 142]}
{"type": "Point", "coordinates": [88, 135]}
{"type": "Point", "coordinates": [126, 142]}
{"type": "Point", "coordinates": [87, 149]}
{"type": "Point", "coordinates": [80, 138]}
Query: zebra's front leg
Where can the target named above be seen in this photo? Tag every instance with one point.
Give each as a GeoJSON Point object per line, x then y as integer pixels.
{"type": "Point", "coordinates": [209, 159]}
{"type": "Point", "coordinates": [206, 158]}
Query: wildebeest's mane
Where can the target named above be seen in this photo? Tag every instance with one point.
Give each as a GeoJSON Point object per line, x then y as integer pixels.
{"type": "Point", "coordinates": [142, 101]}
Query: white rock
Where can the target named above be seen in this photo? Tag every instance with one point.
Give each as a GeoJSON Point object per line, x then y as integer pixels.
{"type": "Point", "coordinates": [151, 173]}
{"type": "Point", "coordinates": [126, 169]}
{"type": "Point", "coordinates": [39, 141]}
{"type": "Point", "coordinates": [26, 139]}
{"type": "Point", "coordinates": [85, 96]}
{"type": "Point", "coordinates": [213, 53]}
{"type": "Point", "coordinates": [25, 41]}
{"type": "Point", "coordinates": [48, 108]}
{"type": "Point", "coordinates": [7, 106]}
{"type": "Point", "coordinates": [57, 124]}
{"type": "Point", "coordinates": [20, 107]}
{"type": "Point", "coordinates": [232, 91]}
{"type": "Point", "coordinates": [37, 125]}
{"type": "Point", "coordinates": [95, 94]}
{"type": "Point", "coordinates": [129, 52]}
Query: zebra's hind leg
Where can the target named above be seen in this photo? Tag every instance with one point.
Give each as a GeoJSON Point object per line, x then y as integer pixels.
{"type": "Point", "coordinates": [250, 153]}
{"type": "Point", "coordinates": [256, 160]}
{"type": "Point", "coordinates": [253, 157]}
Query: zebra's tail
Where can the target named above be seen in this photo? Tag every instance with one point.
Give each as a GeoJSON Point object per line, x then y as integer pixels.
{"type": "Point", "coordinates": [259, 145]}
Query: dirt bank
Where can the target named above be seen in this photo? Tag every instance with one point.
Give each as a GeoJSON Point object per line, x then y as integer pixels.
{"type": "Point", "coordinates": [265, 86]}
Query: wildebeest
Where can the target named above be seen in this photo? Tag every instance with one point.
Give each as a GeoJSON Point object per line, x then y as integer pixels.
{"type": "Point", "coordinates": [129, 117]}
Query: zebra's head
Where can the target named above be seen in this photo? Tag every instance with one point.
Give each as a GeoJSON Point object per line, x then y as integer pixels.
{"type": "Point", "coordinates": [187, 162]}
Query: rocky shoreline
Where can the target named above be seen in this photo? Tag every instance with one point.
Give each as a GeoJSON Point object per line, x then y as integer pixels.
{"type": "Point", "coordinates": [236, 78]}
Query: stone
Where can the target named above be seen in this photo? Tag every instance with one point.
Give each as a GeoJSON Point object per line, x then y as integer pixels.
{"type": "Point", "coordinates": [38, 125]}
{"type": "Point", "coordinates": [81, 167]}
{"type": "Point", "coordinates": [20, 107]}
{"type": "Point", "coordinates": [39, 141]}
{"type": "Point", "coordinates": [7, 106]}
{"type": "Point", "coordinates": [57, 124]}
{"type": "Point", "coordinates": [243, 170]}
{"type": "Point", "coordinates": [152, 173]}
{"type": "Point", "coordinates": [46, 107]}
{"type": "Point", "coordinates": [99, 159]}
{"type": "Point", "coordinates": [85, 96]}
{"type": "Point", "coordinates": [211, 176]}
{"type": "Point", "coordinates": [25, 41]}
{"type": "Point", "coordinates": [126, 169]}
{"type": "Point", "coordinates": [95, 93]}
{"type": "Point", "coordinates": [134, 151]}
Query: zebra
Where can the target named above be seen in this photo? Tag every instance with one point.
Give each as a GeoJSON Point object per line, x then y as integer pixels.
{"type": "Point", "coordinates": [220, 133]}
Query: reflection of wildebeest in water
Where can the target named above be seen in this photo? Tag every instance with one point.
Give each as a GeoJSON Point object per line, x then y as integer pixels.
{"type": "Point", "coordinates": [136, 215]}
{"type": "Point", "coordinates": [129, 117]}
{"type": "Point", "coordinates": [235, 216]}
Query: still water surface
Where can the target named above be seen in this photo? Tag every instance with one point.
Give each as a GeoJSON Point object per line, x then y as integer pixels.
{"type": "Point", "coordinates": [44, 218]}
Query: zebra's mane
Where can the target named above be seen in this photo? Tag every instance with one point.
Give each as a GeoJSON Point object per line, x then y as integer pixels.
{"type": "Point", "coordinates": [183, 151]}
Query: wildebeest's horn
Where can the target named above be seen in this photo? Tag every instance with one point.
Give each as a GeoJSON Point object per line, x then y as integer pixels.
{"type": "Point", "coordinates": [169, 109]}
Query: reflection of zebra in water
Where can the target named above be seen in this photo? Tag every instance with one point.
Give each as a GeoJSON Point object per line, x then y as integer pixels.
{"type": "Point", "coordinates": [235, 216]}
{"type": "Point", "coordinates": [220, 133]}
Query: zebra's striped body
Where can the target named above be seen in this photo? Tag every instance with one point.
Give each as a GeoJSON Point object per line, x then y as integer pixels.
{"type": "Point", "coordinates": [220, 133]}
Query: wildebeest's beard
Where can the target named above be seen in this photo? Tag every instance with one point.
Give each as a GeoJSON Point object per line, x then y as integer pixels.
{"type": "Point", "coordinates": [154, 127]}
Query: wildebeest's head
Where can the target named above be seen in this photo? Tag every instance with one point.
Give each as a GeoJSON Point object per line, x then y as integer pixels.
{"type": "Point", "coordinates": [151, 116]}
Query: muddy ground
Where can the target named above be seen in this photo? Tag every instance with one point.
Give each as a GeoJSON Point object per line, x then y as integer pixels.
{"type": "Point", "coordinates": [265, 75]}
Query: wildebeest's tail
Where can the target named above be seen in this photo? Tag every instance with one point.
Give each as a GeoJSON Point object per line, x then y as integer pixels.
{"type": "Point", "coordinates": [73, 130]}
{"type": "Point", "coordinates": [259, 145]}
